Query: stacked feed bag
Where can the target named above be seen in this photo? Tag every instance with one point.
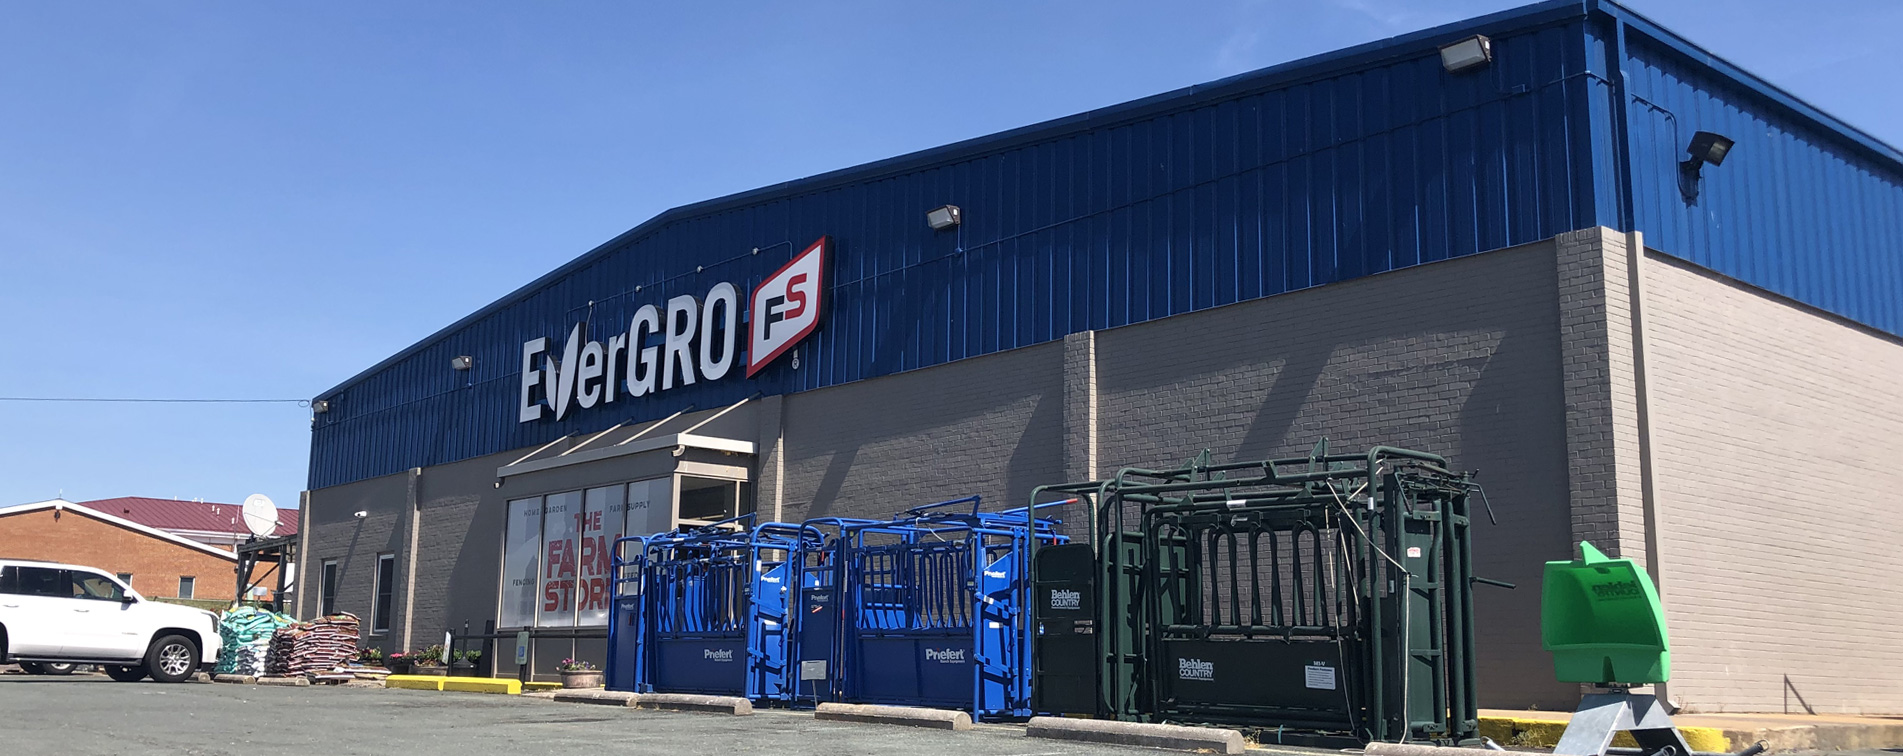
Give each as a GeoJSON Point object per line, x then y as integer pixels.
{"type": "Point", "coordinates": [319, 644]}
{"type": "Point", "coordinates": [245, 635]}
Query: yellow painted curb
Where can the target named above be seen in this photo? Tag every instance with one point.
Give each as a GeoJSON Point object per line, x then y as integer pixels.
{"type": "Point", "coordinates": [482, 685]}
{"type": "Point", "coordinates": [1515, 732]}
{"type": "Point", "coordinates": [414, 682]}
{"type": "Point", "coordinates": [535, 686]}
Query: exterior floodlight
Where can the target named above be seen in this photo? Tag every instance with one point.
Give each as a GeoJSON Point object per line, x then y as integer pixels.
{"type": "Point", "coordinates": [944, 217]}
{"type": "Point", "coordinates": [320, 406]}
{"type": "Point", "coordinates": [1467, 54]}
{"type": "Point", "coordinates": [464, 362]}
{"type": "Point", "coordinates": [1709, 148]}
{"type": "Point", "coordinates": [1706, 147]}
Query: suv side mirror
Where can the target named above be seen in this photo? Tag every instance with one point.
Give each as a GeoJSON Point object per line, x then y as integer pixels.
{"type": "Point", "coordinates": [128, 599]}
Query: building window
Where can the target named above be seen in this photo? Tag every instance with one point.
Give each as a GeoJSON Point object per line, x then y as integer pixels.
{"type": "Point", "coordinates": [386, 594]}
{"type": "Point", "coordinates": [327, 589]}
{"type": "Point", "coordinates": [558, 550]}
{"type": "Point", "coordinates": [185, 587]}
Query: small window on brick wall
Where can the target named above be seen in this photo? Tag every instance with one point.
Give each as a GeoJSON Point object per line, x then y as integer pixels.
{"type": "Point", "coordinates": [185, 585]}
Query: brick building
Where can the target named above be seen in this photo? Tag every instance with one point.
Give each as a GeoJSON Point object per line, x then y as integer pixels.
{"type": "Point", "coordinates": [1528, 265]}
{"type": "Point", "coordinates": [156, 563]}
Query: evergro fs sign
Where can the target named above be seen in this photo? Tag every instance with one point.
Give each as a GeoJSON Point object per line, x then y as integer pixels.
{"type": "Point", "coordinates": [699, 342]}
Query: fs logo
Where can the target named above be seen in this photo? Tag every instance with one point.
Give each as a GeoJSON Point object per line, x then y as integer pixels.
{"type": "Point", "coordinates": [786, 306]}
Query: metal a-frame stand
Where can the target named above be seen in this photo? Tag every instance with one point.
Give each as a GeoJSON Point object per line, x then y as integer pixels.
{"type": "Point", "coordinates": [277, 552]}
{"type": "Point", "coordinates": [1617, 709]}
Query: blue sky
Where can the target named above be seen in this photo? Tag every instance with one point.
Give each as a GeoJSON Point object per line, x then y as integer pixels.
{"type": "Point", "coordinates": [258, 200]}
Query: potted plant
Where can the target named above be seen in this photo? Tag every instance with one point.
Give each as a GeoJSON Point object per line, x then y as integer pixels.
{"type": "Point", "coordinates": [399, 663]}
{"type": "Point", "coordinates": [578, 673]}
{"type": "Point", "coordinates": [463, 662]}
{"type": "Point", "coordinates": [370, 657]}
{"type": "Point", "coordinates": [429, 661]}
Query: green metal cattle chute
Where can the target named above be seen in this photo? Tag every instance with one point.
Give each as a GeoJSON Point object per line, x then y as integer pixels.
{"type": "Point", "coordinates": [1318, 599]}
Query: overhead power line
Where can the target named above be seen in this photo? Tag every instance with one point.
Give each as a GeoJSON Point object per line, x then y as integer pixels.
{"type": "Point", "coordinates": [298, 402]}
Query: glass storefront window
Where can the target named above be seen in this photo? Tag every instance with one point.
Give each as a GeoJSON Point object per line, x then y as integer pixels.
{"type": "Point", "coordinates": [558, 550]}
{"type": "Point", "coordinates": [604, 519]}
{"type": "Point", "coordinates": [521, 563]}
{"type": "Point", "coordinates": [561, 530]}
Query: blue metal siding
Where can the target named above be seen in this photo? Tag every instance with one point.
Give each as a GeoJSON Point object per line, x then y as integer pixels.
{"type": "Point", "coordinates": [1251, 188]}
{"type": "Point", "coordinates": [1305, 174]}
{"type": "Point", "coordinates": [1796, 209]}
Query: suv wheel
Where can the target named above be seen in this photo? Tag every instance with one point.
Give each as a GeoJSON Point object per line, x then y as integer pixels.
{"type": "Point", "coordinates": [172, 658]}
{"type": "Point", "coordinates": [133, 673]}
{"type": "Point", "coordinates": [57, 668]}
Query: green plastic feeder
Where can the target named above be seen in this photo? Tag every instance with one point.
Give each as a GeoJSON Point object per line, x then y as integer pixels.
{"type": "Point", "coordinates": [1602, 620]}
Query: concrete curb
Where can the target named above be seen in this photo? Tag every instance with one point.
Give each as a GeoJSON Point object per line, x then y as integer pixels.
{"type": "Point", "coordinates": [732, 705]}
{"type": "Point", "coordinates": [595, 696]}
{"type": "Point", "coordinates": [910, 716]}
{"type": "Point", "coordinates": [291, 682]}
{"type": "Point", "coordinates": [410, 682]}
{"type": "Point", "coordinates": [482, 685]}
{"type": "Point", "coordinates": [235, 679]}
{"type": "Point", "coordinates": [1171, 737]}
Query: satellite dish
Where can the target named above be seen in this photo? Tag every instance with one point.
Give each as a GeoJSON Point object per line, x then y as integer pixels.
{"type": "Point", "coordinates": [260, 515]}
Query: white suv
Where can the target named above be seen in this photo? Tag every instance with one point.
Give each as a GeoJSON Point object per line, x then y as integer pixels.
{"type": "Point", "coordinates": [52, 613]}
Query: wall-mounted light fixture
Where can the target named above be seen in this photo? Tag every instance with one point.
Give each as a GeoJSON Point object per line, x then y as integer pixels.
{"type": "Point", "coordinates": [945, 217]}
{"type": "Point", "coordinates": [1706, 147]}
{"type": "Point", "coordinates": [463, 362]}
{"type": "Point", "coordinates": [1467, 54]}
{"type": "Point", "coordinates": [320, 406]}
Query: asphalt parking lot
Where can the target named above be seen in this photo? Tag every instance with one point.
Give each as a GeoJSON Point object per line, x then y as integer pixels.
{"type": "Point", "coordinates": [90, 714]}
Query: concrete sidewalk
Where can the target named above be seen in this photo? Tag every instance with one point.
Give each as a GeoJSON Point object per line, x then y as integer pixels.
{"type": "Point", "coordinates": [1715, 732]}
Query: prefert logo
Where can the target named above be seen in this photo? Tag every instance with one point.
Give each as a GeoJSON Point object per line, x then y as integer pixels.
{"type": "Point", "coordinates": [1064, 599]}
{"type": "Point", "coordinates": [787, 305]}
{"type": "Point", "coordinates": [1195, 669]}
{"type": "Point", "coordinates": [722, 655]}
{"type": "Point", "coordinates": [947, 656]}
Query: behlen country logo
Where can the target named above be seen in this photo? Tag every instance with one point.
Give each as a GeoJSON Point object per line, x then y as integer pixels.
{"type": "Point", "coordinates": [699, 339]}
{"type": "Point", "coordinates": [1195, 669]}
{"type": "Point", "coordinates": [946, 656]}
{"type": "Point", "coordinates": [719, 655]}
{"type": "Point", "coordinates": [1066, 599]}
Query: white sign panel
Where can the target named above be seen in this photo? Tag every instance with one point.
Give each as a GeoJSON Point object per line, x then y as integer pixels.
{"type": "Point", "coordinates": [521, 573]}
{"type": "Point", "coordinates": [786, 306]}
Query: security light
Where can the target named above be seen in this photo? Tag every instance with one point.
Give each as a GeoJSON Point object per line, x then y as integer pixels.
{"type": "Point", "coordinates": [1467, 54]}
{"type": "Point", "coordinates": [463, 362]}
{"type": "Point", "coordinates": [1706, 147]}
{"type": "Point", "coordinates": [1710, 148]}
{"type": "Point", "coordinates": [944, 217]}
{"type": "Point", "coordinates": [320, 406]}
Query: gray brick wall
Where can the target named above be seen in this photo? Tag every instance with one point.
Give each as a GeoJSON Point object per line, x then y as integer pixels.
{"type": "Point", "coordinates": [1459, 358]}
{"type": "Point", "coordinates": [1600, 379]}
{"type": "Point", "coordinates": [334, 533]}
{"type": "Point", "coordinates": [1775, 427]}
{"type": "Point", "coordinates": [992, 426]}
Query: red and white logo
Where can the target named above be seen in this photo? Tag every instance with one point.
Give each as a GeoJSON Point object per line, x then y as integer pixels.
{"type": "Point", "coordinates": [787, 306]}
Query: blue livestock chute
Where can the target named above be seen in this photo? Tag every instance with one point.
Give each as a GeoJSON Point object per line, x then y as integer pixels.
{"type": "Point", "coordinates": [928, 608]}
{"type": "Point", "coordinates": [703, 610]}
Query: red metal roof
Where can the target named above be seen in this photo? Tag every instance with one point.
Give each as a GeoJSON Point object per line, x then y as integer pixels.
{"type": "Point", "coordinates": [172, 514]}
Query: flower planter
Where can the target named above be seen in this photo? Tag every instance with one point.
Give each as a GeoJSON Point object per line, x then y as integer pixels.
{"type": "Point", "coordinates": [437, 670]}
{"type": "Point", "coordinates": [586, 678]}
{"type": "Point", "coordinates": [400, 666]}
{"type": "Point", "coordinates": [462, 668]}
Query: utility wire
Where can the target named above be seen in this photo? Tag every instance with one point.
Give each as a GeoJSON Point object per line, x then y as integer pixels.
{"type": "Point", "coordinates": [298, 402]}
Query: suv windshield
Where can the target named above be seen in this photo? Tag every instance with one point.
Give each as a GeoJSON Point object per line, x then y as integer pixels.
{"type": "Point", "coordinates": [94, 586]}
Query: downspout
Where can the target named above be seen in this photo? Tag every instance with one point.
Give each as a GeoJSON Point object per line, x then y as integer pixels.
{"type": "Point", "coordinates": [1635, 272]}
{"type": "Point", "coordinates": [303, 551]}
{"type": "Point", "coordinates": [409, 582]}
